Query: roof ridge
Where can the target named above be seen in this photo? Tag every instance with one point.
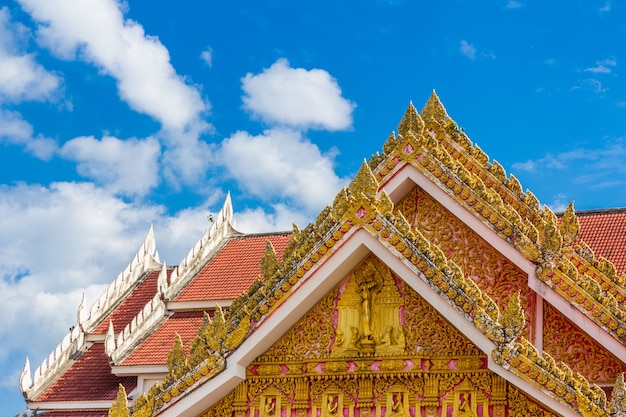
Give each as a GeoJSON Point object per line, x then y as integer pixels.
{"type": "Point", "coordinates": [221, 230]}
{"type": "Point", "coordinates": [60, 358]}
{"type": "Point", "coordinates": [145, 258]}
{"type": "Point", "coordinates": [592, 212]}
{"type": "Point", "coordinates": [117, 348]}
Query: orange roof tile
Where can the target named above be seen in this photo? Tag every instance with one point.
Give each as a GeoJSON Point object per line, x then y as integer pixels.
{"type": "Point", "coordinates": [88, 379]}
{"type": "Point", "coordinates": [131, 305]}
{"type": "Point", "coordinates": [101, 413]}
{"type": "Point", "coordinates": [605, 233]}
{"type": "Point", "coordinates": [154, 350]}
{"type": "Point", "coordinates": [233, 269]}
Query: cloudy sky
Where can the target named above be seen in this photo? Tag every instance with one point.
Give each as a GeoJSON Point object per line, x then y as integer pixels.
{"type": "Point", "coordinates": [115, 116]}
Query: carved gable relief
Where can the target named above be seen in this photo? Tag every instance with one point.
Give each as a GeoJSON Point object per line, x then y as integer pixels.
{"type": "Point", "coordinates": [372, 347]}
{"type": "Point", "coordinates": [491, 271]}
{"type": "Point", "coordinates": [567, 343]}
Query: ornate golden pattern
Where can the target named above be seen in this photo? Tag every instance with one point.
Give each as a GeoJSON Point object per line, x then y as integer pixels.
{"type": "Point", "coordinates": [437, 148]}
{"type": "Point", "coordinates": [309, 338]}
{"type": "Point", "coordinates": [493, 273]}
{"type": "Point", "coordinates": [521, 405]}
{"type": "Point", "coordinates": [429, 333]}
{"type": "Point", "coordinates": [568, 344]}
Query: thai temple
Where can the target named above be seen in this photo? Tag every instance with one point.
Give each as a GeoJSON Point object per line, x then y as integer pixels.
{"type": "Point", "coordinates": [432, 286]}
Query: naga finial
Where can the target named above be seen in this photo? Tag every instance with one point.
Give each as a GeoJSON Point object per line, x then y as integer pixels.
{"type": "Point", "coordinates": [411, 122]}
{"type": "Point", "coordinates": [434, 109]}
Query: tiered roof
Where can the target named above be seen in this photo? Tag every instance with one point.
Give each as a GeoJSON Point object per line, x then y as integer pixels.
{"type": "Point", "coordinates": [605, 232]}
{"type": "Point", "coordinates": [298, 268]}
{"type": "Point", "coordinates": [134, 324]}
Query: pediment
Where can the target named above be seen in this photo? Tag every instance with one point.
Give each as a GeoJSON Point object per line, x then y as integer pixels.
{"type": "Point", "coordinates": [373, 345]}
{"type": "Point", "coordinates": [319, 312]}
{"type": "Point", "coordinates": [372, 314]}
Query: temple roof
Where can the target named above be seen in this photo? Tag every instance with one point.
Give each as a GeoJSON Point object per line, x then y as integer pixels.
{"type": "Point", "coordinates": [154, 350]}
{"type": "Point", "coordinates": [233, 269]}
{"type": "Point", "coordinates": [267, 279]}
{"type": "Point", "coordinates": [131, 305]}
{"type": "Point", "coordinates": [605, 232]}
{"type": "Point", "coordinates": [88, 379]}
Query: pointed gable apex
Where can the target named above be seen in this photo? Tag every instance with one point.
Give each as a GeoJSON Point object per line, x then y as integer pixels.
{"type": "Point", "coordinates": [362, 223]}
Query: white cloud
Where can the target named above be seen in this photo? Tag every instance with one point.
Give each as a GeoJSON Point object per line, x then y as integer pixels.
{"type": "Point", "coordinates": [602, 67]}
{"type": "Point", "coordinates": [21, 77]}
{"type": "Point", "coordinates": [528, 166]}
{"type": "Point", "coordinates": [281, 163]}
{"type": "Point", "coordinates": [468, 49]}
{"type": "Point", "coordinates": [98, 32]}
{"type": "Point", "coordinates": [128, 167]}
{"type": "Point", "coordinates": [60, 241]}
{"type": "Point", "coordinates": [512, 4]}
{"type": "Point", "coordinates": [186, 157]}
{"type": "Point", "coordinates": [297, 97]}
{"type": "Point", "coordinates": [606, 8]}
{"type": "Point", "coordinates": [590, 84]}
{"type": "Point", "coordinates": [207, 56]}
{"type": "Point", "coordinates": [258, 220]}
{"type": "Point", "coordinates": [17, 131]}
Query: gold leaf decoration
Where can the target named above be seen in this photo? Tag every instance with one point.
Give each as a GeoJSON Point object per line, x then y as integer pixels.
{"type": "Point", "coordinates": [269, 262]}
{"type": "Point", "coordinates": [119, 408]}
{"type": "Point", "coordinates": [411, 123]}
{"type": "Point", "coordinates": [433, 109]}
{"type": "Point", "coordinates": [364, 183]}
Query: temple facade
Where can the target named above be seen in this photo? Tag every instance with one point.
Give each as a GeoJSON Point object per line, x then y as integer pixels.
{"type": "Point", "coordinates": [432, 286]}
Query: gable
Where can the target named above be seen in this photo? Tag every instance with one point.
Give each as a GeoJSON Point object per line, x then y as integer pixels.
{"type": "Point", "coordinates": [360, 267]}
{"type": "Point", "coordinates": [405, 359]}
{"type": "Point", "coordinates": [401, 322]}
{"type": "Point", "coordinates": [496, 275]}
{"type": "Point", "coordinates": [568, 344]}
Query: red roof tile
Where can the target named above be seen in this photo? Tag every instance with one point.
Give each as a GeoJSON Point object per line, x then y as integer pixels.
{"type": "Point", "coordinates": [88, 379]}
{"type": "Point", "coordinates": [154, 350]}
{"type": "Point", "coordinates": [605, 233]}
{"type": "Point", "coordinates": [132, 305]}
{"type": "Point", "coordinates": [233, 269]}
{"type": "Point", "coordinates": [101, 413]}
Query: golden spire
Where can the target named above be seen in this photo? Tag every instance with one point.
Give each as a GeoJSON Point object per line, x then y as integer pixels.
{"type": "Point", "coordinates": [364, 182]}
{"type": "Point", "coordinates": [119, 408]}
{"type": "Point", "coordinates": [434, 109]}
{"type": "Point", "coordinates": [411, 122]}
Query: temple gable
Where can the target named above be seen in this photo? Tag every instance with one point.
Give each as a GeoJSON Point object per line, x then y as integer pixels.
{"type": "Point", "coordinates": [372, 347]}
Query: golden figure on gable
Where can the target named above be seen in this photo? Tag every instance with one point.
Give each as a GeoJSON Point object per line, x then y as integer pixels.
{"type": "Point", "coordinates": [270, 406]}
{"type": "Point", "coordinates": [369, 314]}
{"type": "Point", "coordinates": [397, 405]}
{"type": "Point", "coordinates": [464, 408]}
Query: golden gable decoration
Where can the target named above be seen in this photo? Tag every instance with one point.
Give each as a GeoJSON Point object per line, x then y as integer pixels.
{"type": "Point", "coordinates": [373, 332]}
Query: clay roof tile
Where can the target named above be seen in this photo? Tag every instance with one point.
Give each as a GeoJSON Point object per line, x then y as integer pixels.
{"type": "Point", "coordinates": [233, 269]}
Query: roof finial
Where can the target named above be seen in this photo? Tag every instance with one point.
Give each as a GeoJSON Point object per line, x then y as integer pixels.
{"type": "Point", "coordinates": [109, 340]}
{"type": "Point", "coordinates": [411, 122]}
{"type": "Point", "coordinates": [80, 313]}
{"type": "Point", "coordinates": [434, 109]}
{"type": "Point", "coordinates": [25, 379]}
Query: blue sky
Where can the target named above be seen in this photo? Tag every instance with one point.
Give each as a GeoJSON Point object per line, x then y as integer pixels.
{"type": "Point", "coordinates": [118, 116]}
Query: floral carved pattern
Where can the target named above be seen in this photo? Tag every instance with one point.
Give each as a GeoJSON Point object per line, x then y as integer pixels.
{"type": "Point", "coordinates": [567, 343]}
{"type": "Point", "coordinates": [429, 333]}
{"type": "Point", "coordinates": [491, 271]}
{"type": "Point", "coordinates": [309, 337]}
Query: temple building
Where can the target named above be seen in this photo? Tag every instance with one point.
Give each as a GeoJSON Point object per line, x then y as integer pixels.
{"type": "Point", "coordinates": [432, 286]}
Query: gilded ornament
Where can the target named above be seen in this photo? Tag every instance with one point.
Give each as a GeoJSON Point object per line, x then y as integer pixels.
{"type": "Point", "coordinates": [433, 109]}
{"type": "Point", "coordinates": [391, 143]}
{"type": "Point", "coordinates": [498, 171]}
{"type": "Point", "coordinates": [411, 122]}
{"type": "Point", "coordinates": [119, 408]}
